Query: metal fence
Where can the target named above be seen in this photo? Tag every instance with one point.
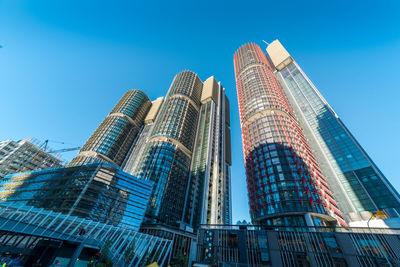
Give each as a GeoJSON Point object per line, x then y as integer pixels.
{"type": "Point", "coordinates": [125, 247]}
{"type": "Point", "coordinates": [321, 229]}
{"type": "Point", "coordinates": [297, 246]}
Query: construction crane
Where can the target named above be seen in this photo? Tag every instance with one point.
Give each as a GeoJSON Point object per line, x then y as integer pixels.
{"type": "Point", "coordinates": [43, 147]}
{"type": "Point", "coordinates": [64, 150]}
{"type": "Point", "coordinates": [46, 142]}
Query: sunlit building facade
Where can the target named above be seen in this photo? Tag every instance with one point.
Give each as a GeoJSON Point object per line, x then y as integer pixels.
{"type": "Point", "coordinates": [285, 183]}
{"type": "Point", "coordinates": [113, 138]}
{"type": "Point", "coordinates": [209, 197]}
{"type": "Point", "coordinates": [25, 155]}
{"type": "Point", "coordinates": [98, 191]}
{"type": "Point", "coordinates": [167, 154]}
{"type": "Point", "coordinates": [355, 180]}
{"type": "Point", "coordinates": [170, 146]}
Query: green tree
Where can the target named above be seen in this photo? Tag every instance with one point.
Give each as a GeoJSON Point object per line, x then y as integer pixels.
{"type": "Point", "coordinates": [129, 253]}
{"type": "Point", "coordinates": [104, 260]}
{"type": "Point", "coordinates": [180, 260]}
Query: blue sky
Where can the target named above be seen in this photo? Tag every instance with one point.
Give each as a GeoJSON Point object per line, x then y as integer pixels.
{"type": "Point", "coordinates": [64, 64]}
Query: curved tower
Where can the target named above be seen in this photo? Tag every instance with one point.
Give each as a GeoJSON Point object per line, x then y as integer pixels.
{"type": "Point", "coordinates": [113, 138]}
{"type": "Point", "coordinates": [167, 156]}
{"type": "Point", "coordinates": [285, 184]}
{"type": "Point", "coordinates": [356, 181]}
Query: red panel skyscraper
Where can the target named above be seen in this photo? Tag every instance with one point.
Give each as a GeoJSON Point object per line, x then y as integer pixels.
{"type": "Point", "coordinates": [285, 184]}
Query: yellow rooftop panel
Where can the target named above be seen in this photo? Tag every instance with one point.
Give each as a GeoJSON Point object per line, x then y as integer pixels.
{"type": "Point", "coordinates": [278, 55]}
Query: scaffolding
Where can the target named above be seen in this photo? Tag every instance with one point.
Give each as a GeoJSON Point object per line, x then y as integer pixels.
{"type": "Point", "coordinates": [25, 155]}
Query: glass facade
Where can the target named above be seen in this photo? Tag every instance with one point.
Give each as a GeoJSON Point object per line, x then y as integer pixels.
{"type": "Point", "coordinates": [208, 200]}
{"type": "Point", "coordinates": [99, 192]}
{"type": "Point", "coordinates": [113, 138]}
{"type": "Point", "coordinates": [183, 242]}
{"type": "Point", "coordinates": [201, 164]}
{"type": "Point", "coordinates": [185, 150]}
{"type": "Point", "coordinates": [280, 246]}
{"type": "Point", "coordinates": [168, 152]}
{"type": "Point", "coordinates": [362, 186]}
{"type": "Point", "coordinates": [137, 149]}
{"type": "Point", "coordinates": [283, 177]}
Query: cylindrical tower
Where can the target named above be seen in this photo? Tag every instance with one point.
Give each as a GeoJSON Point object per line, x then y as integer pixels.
{"type": "Point", "coordinates": [113, 138]}
{"type": "Point", "coordinates": [285, 184]}
{"type": "Point", "coordinates": [168, 152]}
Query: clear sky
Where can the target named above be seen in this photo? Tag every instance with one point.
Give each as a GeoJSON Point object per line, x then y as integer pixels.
{"type": "Point", "coordinates": [65, 63]}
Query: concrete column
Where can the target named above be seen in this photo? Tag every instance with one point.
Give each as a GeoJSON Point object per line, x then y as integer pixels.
{"type": "Point", "coordinates": [310, 254]}
{"type": "Point", "coordinates": [308, 219]}
{"type": "Point", "coordinates": [347, 248]}
{"type": "Point", "coordinates": [274, 250]}
{"type": "Point", "coordinates": [394, 243]}
{"type": "Point", "coordinates": [242, 246]}
{"type": "Point", "coordinates": [76, 254]}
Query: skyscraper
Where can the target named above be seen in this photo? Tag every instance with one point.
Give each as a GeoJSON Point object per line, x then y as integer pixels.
{"type": "Point", "coordinates": [355, 179]}
{"type": "Point", "coordinates": [285, 183]}
{"type": "Point", "coordinates": [178, 149]}
{"type": "Point", "coordinates": [137, 148]}
{"type": "Point", "coordinates": [180, 143]}
{"type": "Point", "coordinates": [167, 155]}
{"type": "Point", "coordinates": [113, 138]}
{"type": "Point", "coordinates": [209, 191]}
{"type": "Point", "coordinates": [24, 155]}
{"type": "Point", "coordinates": [183, 149]}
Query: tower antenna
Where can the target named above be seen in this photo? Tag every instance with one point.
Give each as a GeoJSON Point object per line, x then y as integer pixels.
{"type": "Point", "coordinates": [265, 42]}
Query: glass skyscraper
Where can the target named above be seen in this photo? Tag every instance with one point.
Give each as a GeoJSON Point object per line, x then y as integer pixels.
{"type": "Point", "coordinates": [113, 138]}
{"type": "Point", "coordinates": [284, 180]}
{"type": "Point", "coordinates": [180, 143]}
{"type": "Point", "coordinates": [165, 161]}
{"type": "Point", "coordinates": [355, 180]}
{"type": "Point", "coordinates": [209, 199]}
{"type": "Point", "coordinates": [183, 148]}
{"type": "Point", "coordinates": [167, 155]}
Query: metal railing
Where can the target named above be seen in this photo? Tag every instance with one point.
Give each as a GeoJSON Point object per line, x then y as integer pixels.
{"type": "Point", "coordinates": [125, 246]}
{"type": "Point", "coordinates": [369, 230]}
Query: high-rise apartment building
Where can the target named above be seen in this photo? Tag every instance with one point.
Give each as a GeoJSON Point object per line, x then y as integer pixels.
{"type": "Point", "coordinates": [136, 151]}
{"type": "Point", "coordinates": [209, 191]}
{"type": "Point", "coordinates": [24, 155]}
{"type": "Point", "coordinates": [180, 143]}
{"type": "Point", "coordinates": [168, 152]}
{"type": "Point", "coordinates": [184, 148]}
{"type": "Point", "coordinates": [113, 138]}
{"type": "Point", "coordinates": [178, 150]}
{"type": "Point", "coordinates": [355, 180]}
{"type": "Point", "coordinates": [285, 183]}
